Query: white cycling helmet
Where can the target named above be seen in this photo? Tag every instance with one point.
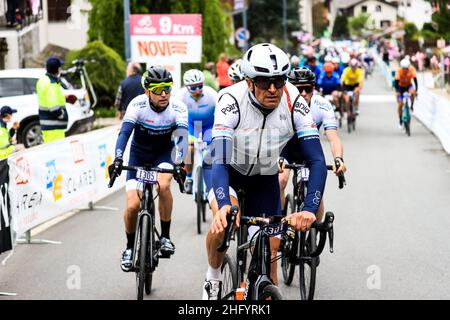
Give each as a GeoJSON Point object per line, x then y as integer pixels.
{"type": "Point", "coordinates": [265, 60]}
{"type": "Point", "coordinates": [336, 60]}
{"type": "Point", "coordinates": [235, 72]}
{"type": "Point", "coordinates": [405, 63]}
{"type": "Point", "coordinates": [193, 76]}
{"type": "Point", "coordinates": [354, 63]}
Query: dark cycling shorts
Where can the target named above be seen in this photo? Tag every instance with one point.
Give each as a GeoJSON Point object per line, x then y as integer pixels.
{"type": "Point", "coordinates": [350, 87]}
{"type": "Point", "coordinates": [261, 193]}
{"type": "Point", "coordinates": [162, 158]}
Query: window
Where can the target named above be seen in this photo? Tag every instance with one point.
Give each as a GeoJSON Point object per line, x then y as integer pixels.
{"type": "Point", "coordinates": [57, 10]}
{"type": "Point", "coordinates": [30, 85]}
{"type": "Point", "coordinates": [378, 8]}
{"type": "Point", "coordinates": [364, 9]}
{"type": "Point", "coordinates": [10, 87]}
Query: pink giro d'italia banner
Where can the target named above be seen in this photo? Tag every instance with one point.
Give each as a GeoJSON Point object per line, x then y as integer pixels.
{"type": "Point", "coordinates": [166, 38]}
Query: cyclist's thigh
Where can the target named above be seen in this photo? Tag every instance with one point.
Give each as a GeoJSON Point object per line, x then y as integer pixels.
{"type": "Point", "coordinates": [138, 157]}
{"type": "Point", "coordinates": [134, 200]}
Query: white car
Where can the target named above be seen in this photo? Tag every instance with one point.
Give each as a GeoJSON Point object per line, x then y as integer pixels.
{"type": "Point", "coordinates": [18, 90]}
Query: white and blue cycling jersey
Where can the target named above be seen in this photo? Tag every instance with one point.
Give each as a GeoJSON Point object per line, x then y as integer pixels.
{"type": "Point", "coordinates": [248, 140]}
{"type": "Point", "coordinates": [154, 133]}
{"type": "Point", "coordinates": [200, 112]}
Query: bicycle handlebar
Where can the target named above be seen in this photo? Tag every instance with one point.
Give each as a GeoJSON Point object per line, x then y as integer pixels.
{"type": "Point", "coordinates": [231, 219]}
{"type": "Point", "coordinates": [325, 228]}
{"type": "Point", "coordinates": [341, 176]}
{"type": "Point", "coordinates": [176, 172]}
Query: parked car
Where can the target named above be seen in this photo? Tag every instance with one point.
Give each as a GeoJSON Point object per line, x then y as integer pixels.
{"type": "Point", "coordinates": [18, 90]}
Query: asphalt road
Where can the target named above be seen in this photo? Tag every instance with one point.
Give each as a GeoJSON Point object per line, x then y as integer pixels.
{"type": "Point", "coordinates": [391, 229]}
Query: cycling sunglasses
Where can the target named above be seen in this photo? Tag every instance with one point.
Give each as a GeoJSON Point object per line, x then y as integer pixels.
{"type": "Point", "coordinates": [307, 89]}
{"type": "Point", "coordinates": [265, 83]}
{"type": "Point", "coordinates": [159, 88]}
{"type": "Point", "coordinates": [196, 87]}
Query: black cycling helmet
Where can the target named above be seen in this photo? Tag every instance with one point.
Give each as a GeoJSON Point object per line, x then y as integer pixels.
{"type": "Point", "coordinates": [155, 74]}
{"type": "Point", "coordinates": [301, 76]}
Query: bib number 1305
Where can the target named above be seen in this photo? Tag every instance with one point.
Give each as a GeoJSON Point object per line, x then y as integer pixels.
{"type": "Point", "coordinates": [147, 176]}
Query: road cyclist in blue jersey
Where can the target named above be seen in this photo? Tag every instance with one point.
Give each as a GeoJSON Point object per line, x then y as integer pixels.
{"type": "Point", "coordinates": [159, 123]}
{"type": "Point", "coordinates": [201, 103]}
{"type": "Point", "coordinates": [254, 120]}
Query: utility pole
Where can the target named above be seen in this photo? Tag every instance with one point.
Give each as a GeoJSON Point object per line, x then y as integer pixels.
{"type": "Point", "coordinates": [285, 37]}
{"type": "Point", "coordinates": [245, 25]}
{"type": "Point", "coordinates": [126, 20]}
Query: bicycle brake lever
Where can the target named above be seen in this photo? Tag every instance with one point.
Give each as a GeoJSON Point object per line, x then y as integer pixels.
{"type": "Point", "coordinates": [331, 239]}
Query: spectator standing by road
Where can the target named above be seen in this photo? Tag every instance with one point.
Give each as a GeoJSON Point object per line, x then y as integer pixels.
{"type": "Point", "coordinates": [222, 67]}
{"type": "Point", "coordinates": [129, 88]}
{"type": "Point", "coordinates": [210, 79]}
{"type": "Point", "coordinates": [7, 139]}
{"type": "Point", "coordinates": [52, 102]}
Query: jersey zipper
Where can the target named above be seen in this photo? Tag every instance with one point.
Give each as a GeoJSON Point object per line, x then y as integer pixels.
{"type": "Point", "coordinates": [259, 145]}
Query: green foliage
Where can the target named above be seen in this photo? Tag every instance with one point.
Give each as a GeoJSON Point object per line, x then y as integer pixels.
{"type": "Point", "coordinates": [106, 21]}
{"type": "Point", "coordinates": [320, 23]}
{"type": "Point", "coordinates": [340, 28]}
{"type": "Point", "coordinates": [105, 74]}
{"type": "Point", "coordinates": [358, 23]}
{"type": "Point", "coordinates": [411, 31]}
{"type": "Point", "coordinates": [265, 21]}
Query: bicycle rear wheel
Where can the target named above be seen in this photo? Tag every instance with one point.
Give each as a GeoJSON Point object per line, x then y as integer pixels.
{"type": "Point", "coordinates": [271, 292]}
{"type": "Point", "coordinates": [230, 282]}
{"type": "Point", "coordinates": [199, 198]}
{"type": "Point", "coordinates": [308, 265]}
{"type": "Point", "coordinates": [142, 251]}
{"type": "Point", "coordinates": [289, 249]}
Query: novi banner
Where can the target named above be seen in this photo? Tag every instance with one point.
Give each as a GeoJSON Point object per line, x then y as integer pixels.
{"type": "Point", "coordinates": [55, 178]}
{"type": "Point", "coordinates": [166, 38]}
{"type": "Point", "coordinates": [5, 216]}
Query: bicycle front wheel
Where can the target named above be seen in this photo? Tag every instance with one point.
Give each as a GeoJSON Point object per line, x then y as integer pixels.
{"type": "Point", "coordinates": [271, 292]}
{"type": "Point", "coordinates": [308, 266]}
{"type": "Point", "coordinates": [289, 248]}
{"type": "Point", "coordinates": [142, 251]}
{"type": "Point", "coordinates": [230, 282]}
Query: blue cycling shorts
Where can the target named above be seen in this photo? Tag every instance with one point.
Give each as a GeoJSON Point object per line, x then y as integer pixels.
{"type": "Point", "coordinates": [261, 193]}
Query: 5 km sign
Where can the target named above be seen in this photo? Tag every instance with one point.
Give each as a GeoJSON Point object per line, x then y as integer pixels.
{"type": "Point", "coordinates": [166, 38]}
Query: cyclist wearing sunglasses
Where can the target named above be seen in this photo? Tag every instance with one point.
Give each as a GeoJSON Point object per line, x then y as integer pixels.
{"type": "Point", "coordinates": [323, 115]}
{"type": "Point", "coordinates": [201, 103]}
{"type": "Point", "coordinates": [254, 120]}
{"type": "Point", "coordinates": [156, 120]}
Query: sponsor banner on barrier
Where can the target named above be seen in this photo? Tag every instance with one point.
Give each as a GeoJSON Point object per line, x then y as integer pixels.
{"type": "Point", "coordinates": [52, 179]}
{"type": "Point", "coordinates": [5, 216]}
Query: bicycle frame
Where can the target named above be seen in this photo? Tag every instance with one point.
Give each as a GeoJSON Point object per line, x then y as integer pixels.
{"type": "Point", "coordinates": [406, 116]}
{"type": "Point", "coordinates": [199, 148]}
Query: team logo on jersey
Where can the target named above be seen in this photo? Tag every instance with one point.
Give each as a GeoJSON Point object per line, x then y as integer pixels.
{"type": "Point", "coordinates": [302, 108]}
{"type": "Point", "coordinates": [230, 108]}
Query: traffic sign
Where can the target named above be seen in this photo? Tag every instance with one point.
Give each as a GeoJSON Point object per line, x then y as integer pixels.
{"type": "Point", "coordinates": [242, 34]}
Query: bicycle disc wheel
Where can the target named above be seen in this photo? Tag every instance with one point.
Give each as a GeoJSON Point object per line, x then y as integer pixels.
{"type": "Point", "coordinates": [199, 198]}
{"type": "Point", "coordinates": [142, 251]}
{"type": "Point", "coordinates": [288, 249]}
{"type": "Point", "coordinates": [230, 282]}
{"type": "Point", "coordinates": [272, 292]}
{"type": "Point", "coordinates": [308, 267]}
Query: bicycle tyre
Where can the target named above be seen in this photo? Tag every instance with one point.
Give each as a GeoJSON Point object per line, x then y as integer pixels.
{"type": "Point", "coordinates": [271, 291]}
{"type": "Point", "coordinates": [289, 249]}
{"type": "Point", "coordinates": [199, 198]}
{"type": "Point", "coordinates": [142, 251]}
{"type": "Point", "coordinates": [230, 281]}
{"type": "Point", "coordinates": [242, 237]}
{"type": "Point", "coordinates": [307, 277]}
{"type": "Point", "coordinates": [349, 123]}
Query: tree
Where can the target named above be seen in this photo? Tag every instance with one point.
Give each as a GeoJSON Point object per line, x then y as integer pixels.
{"type": "Point", "coordinates": [340, 28]}
{"type": "Point", "coordinates": [357, 24]}
{"type": "Point", "coordinates": [320, 22]}
{"type": "Point", "coordinates": [105, 74]}
{"type": "Point", "coordinates": [441, 21]}
{"type": "Point", "coordinates": [106, 21]}
{"type": "Point", "coordinates": [265, 21]}
{"type": "Point", "coordinates": [411, 31]}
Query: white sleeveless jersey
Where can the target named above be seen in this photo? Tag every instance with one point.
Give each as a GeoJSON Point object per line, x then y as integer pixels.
{"type": "Point", "coordinates": [203, 108]}
{"type": "Point", "coordinates": [258, 139]}
{"type": "Point", "coordinates": [323, 112]}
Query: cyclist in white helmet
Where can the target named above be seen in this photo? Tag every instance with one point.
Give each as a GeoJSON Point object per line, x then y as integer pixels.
{"type": "Point", "coordinates": [235, 73]}
{"type": "Point", "coordinates": [254, 120]}
{"type": "Point", "coordinates": [201, 102]}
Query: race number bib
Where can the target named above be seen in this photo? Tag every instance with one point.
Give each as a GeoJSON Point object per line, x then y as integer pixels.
{"type": "Point", "coordinates": [150, 177]}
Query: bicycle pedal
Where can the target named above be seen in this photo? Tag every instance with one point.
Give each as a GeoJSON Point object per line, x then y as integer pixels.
{"type": "Point", "coordinates": [164, 255]}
